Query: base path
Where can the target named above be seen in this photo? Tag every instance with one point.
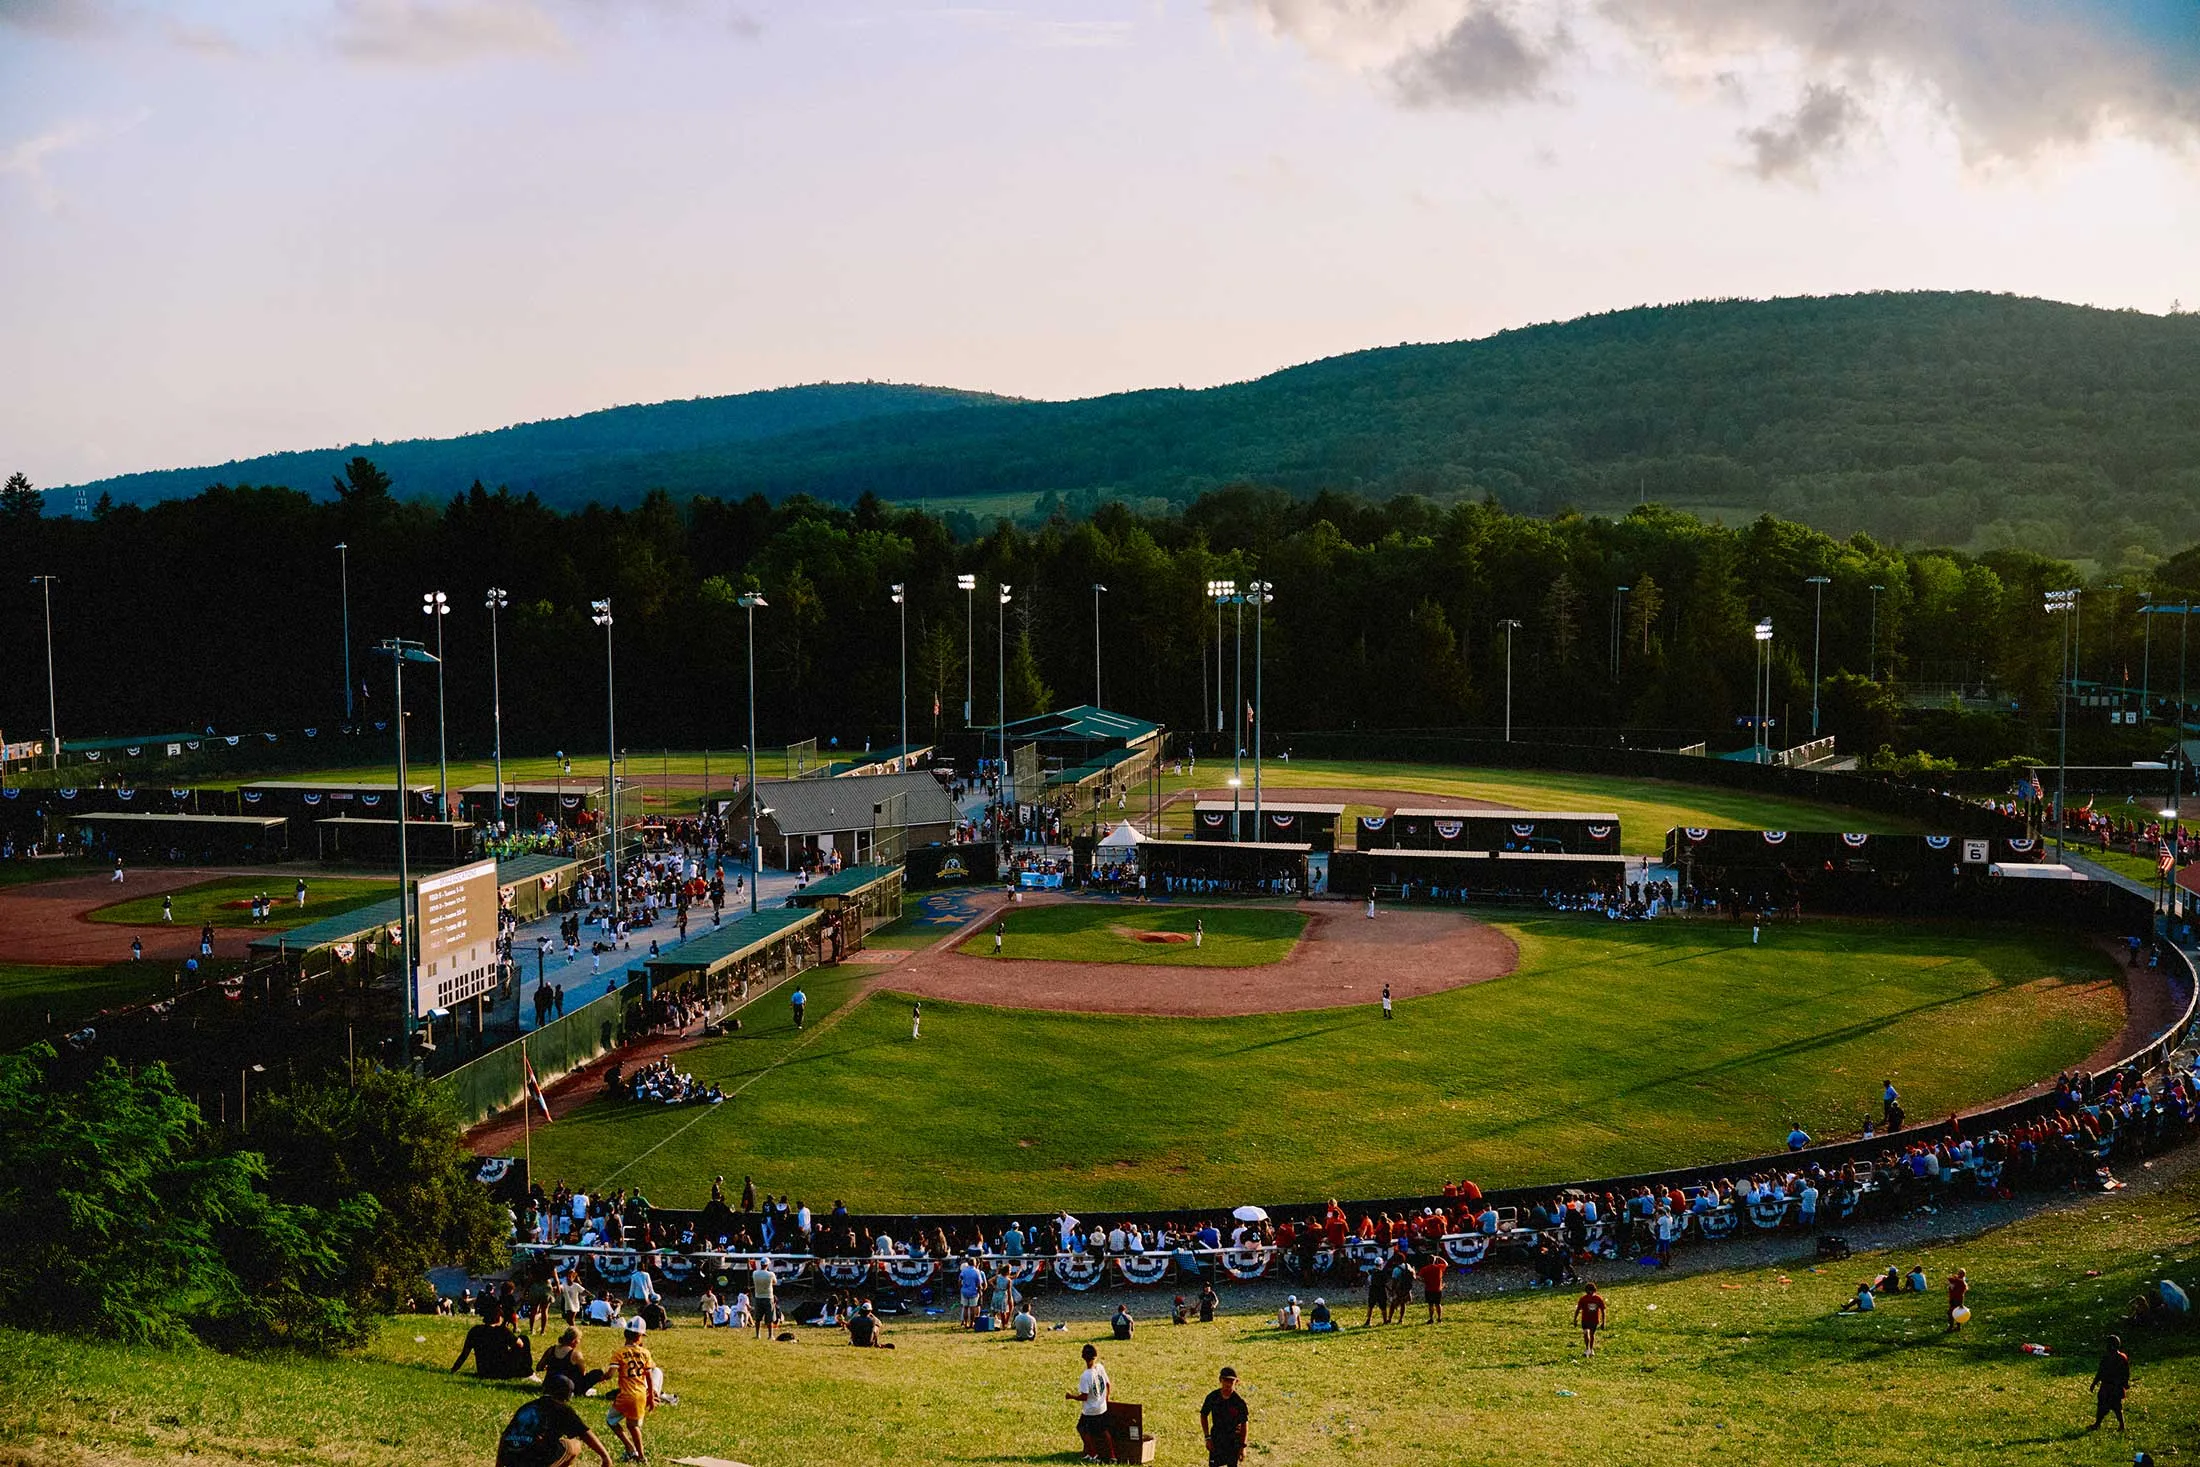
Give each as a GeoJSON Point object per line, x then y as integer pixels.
{"type": "Point", "coordinates": [47, 922]}
{"type": "Point", "coordinates": [1343, 958]}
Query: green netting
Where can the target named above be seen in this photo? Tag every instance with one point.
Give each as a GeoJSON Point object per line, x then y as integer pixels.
{"type": "Point", "coordinates": [482, 1087]}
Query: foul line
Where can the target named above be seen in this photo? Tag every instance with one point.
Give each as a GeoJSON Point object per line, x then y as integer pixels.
{"type": "Point", "coordinates": [813, 1035]}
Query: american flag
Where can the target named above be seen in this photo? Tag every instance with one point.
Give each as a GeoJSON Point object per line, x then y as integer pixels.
{"type": "Point", "coordinates": [534, 1086]}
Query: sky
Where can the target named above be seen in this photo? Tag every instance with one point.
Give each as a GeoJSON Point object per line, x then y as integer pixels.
{"type": "Point", "coordinates": [232, 228]}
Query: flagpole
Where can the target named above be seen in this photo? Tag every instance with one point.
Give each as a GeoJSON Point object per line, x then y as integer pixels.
{"type": "Point", "coordinates": [526, 1120]}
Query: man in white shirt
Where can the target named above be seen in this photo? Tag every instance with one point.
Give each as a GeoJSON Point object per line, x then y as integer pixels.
{"type": "Point", "coordinates": [764, 1284]}
{"type": "Point", "coordinates": [639, 1290]}
{"type": "Point", "coordinates": [802, 1218]}
{"type": "Point", "coordinates": [1117, 1240]}
{"type": "Point", "coordinates": [1093, 1389]}
{"type": "Point", "coordinates": [580, 1207]}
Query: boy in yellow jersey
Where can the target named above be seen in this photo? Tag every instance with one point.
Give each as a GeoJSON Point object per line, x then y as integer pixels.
{"type": "Point", "coordinates": [634, 1380]}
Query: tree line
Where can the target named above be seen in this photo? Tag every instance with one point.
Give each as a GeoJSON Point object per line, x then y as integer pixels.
{"type": "Point", "coordinates": [226, 610]}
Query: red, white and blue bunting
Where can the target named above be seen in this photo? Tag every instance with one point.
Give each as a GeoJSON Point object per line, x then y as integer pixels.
{"type": "Point", "coordinates": [1465, 1249]}
{"type": "Point", "coordinates": [2022, 843]}
{"type": "Point", "coordinates": [1774, 837]}
{"type": "Point", "coordinates": [1212, 817]}
{"type": "Point", "coordinates": [843, 1273]}
{"type": "Point", "coordinates": [909, 1273]}
{"type": "Point", "coordinates": [1854, 839]}
{"type": "Point", "coordinates": [1695, 832]}
{"type": "Point", "coordinates": [1523, 831]}
{"type": "Point", "coordinates": [1939, 842]}
{"type": "Point", "coordinates": [1142, 1268]}
{"type": "Point", "coordinates": [1079, 1271]}
{"type": "Point", "coordinates": [1449, 829]}
{"type": "Point", "coordinates": [1600, 832]}
{"type": "Point", "coordinates": [1245, 1264]}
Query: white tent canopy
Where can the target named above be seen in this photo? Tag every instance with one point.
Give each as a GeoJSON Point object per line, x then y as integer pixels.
{"type": "Point", "coordinates": [1122, 836]}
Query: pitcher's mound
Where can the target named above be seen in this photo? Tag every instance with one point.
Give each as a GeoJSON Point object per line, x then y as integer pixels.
{"type": "Point", "coordinates": [1343, 958]}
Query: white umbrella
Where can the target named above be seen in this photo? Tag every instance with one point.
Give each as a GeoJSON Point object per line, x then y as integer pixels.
{"type": "Point", "coordinates": [1250, 1214]}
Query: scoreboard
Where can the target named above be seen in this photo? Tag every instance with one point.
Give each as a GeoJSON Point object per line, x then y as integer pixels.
{"type": "Point", "coordinates": [454, 936]}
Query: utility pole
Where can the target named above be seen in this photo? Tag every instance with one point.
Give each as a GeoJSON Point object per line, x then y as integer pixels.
{"type": "Point", "coordinates": [1817, 637]}
{"type": "Point", "coordinates": [2065, 605]}
{"type": "Point", "coordinates": [601, 616]}
{"type": "Point", "coordinates": [1871, 663]}
{"type": "Point", "coordinates": [400, 652]}
{"type": "Point", "coordinates": [969, 585]}
{"type": "Point", "coordinates": [1510, 626]}
{"type": "Point", "coordinates": [1097, 588]}
{"type": "Point", "coordinates": [1763, 689]}
{"type": "Point", "coordinates": [53, 719]}
{"type": "Point", "coordinates": [901, 604]}
{"type": "Point", "coordinates": [1262, 593]}
{"type": "Point", "coordinates": [438, 605]}
{"type": "Point", "coordinates": [343, 561]}
{"type": "Point", "coordinates": [1000, 657]}
{"type": "Point", "coordinates": [749, 601]}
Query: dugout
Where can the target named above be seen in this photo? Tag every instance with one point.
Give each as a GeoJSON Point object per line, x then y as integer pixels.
{"type": "Point", "coordinates": [1312, 825]}
{"type": "Point", "coordinates": [306, 800]}
{"type": "Point", "coordinates": [1552, 832]}
{"type": "Point", "coordinates": [762, 948]}
{"type": "Point", "coordinates": [364, 842]}
{"type": "Point", "coordinates": [1245, 867]}
{"type": "Point", "coordinates": [135, 835]}
{"type": "Point", "coordinates": [854, 902]}
{"type": "Point", "coordinates": [1862, 873]}
{"type": "Point", "coordinates": [531, 885]}
{"type": "Point", "coordinates": [530, 806]}
{"type": "Point", "coordinates": [1459, 877]}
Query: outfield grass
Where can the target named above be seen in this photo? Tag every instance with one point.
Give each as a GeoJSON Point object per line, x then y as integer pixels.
{"type": "Point", "coordinates": [1647, 808]}
{"type": "Point", "coordinates": [226, 902]}
{"type": "Point", "coordinates": [1082, 932]}
{"type": "Point", "coordinates": [1746, 1367]}
{"type": "Point", "coordinates": [1613, 1048]}
{"type": "Point", "coordinates": [30, 993]}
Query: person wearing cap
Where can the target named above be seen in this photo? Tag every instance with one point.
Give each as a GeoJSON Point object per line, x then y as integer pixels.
{"type": "Point", "coordinates": [1222, 1420]}
{"type": "Point", "coordinates": [635, 1376]}
{"type": "Point", "coordinates": [1288, 1316]}
{"type": "Point", "coordinates": [548, 1432]}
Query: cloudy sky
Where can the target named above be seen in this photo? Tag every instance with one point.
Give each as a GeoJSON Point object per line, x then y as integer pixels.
{"type": "Point", "coordinates": [232, 228]}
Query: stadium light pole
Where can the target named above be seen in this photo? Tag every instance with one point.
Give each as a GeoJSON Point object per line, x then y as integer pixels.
{"type": "Point", "coordinates": [343, 573]}
{"type": "Point", "coordinates": [496, 600]}
{"type": "Point", "coordinates": [749, 601]}
{"type": "Point", "coordinates": [1219, 592]}
{"type": "Point", "coordinates": [1260, 595]}
{"type": "Point", "coordinates": [1619, 622]}
{"type": "Point", "coordinates": [1763, 689]}
{"type": "Point", "coordinates": [1000, 692]}
{"type": "Point", "coordinates": [2063, 604]}
{"type": "Point", "coordinates": [2146, 654]}
{"type": "Point", "coordinates": [1871, 660]}
{"type": "Point", "coordinates": [400, 652]}
{"type": "Point", "coordinates": [53, 719]}
{"type": "Point", "coordinates": [600, 614]}
{"type": "Point", "coordinates": [1817, 635]}
{"type": "Point", "coordinates": [968, 585]}
{"type": "Point", "coordinates": [1097, 588]}
{"type": "Point", "coordinates": [438, 605]}
{"type": "Point", "coordinates": [1510, 625]}
{"type": "Point", "coordinates": [901, 602]}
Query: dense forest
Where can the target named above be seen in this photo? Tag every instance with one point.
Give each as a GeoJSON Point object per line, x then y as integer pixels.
{"type": "Point", "coordinates": [225, 611]}
{"type": "Point", "coordinates": [1978, 421]}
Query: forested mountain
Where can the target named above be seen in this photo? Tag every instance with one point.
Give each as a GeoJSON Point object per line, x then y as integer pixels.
{"type": "Point", "coordinates": [1962, 419]}
{"type": "Point", "coordinates": [559, 455]}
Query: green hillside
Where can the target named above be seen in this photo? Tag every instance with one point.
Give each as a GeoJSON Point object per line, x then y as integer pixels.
{"type": "Point", "coordinates": [1964, 419]}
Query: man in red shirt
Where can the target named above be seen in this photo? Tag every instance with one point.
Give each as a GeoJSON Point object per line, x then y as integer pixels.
{"type": "Point", "coordinates": [1432, 1286]}
{"type": "Point", "coordinates": [1589, 1314]}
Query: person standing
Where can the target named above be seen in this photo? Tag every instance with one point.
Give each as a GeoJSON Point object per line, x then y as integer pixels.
{"type": "Point", "coordinates": [1386, 1001]}
{"type": "Point", "coordinates": [634, 1375]}
{"type": "Point", "coordinates": [1371, 906]}
{"type": "Point", "coordinates": [1000, 929]}
{"type": "Point", "coordinates": [117, 879]}
{"type": "Point", "coordinates": [301, 891]}
{"type": "Point", "coordinates": [916, 1019]}
{"type": "Point", "coordinates": [763, 1289]}
{"type": "Point", "coordinates": [1199, 932]}
{"type": "Point", "coordinates": [800, 998]}
{"type": "Point", "coordinates": [1432, 1286]}
{"type": "Point", "coordinates": [1959, 1289]}
{"type": "Point", "coordinates": [137, 950]}
{"type": "Point", "coordinates": [2111, 1382]}
{"type": "Point", "coordinates": [1091, 1395]}
{"type": "Point", "coordinates": [168, 910]}
{"type": "Point", "coordinates": [1589, 1314]}
{"type": "Point", "coordinates": [1223, 1417]}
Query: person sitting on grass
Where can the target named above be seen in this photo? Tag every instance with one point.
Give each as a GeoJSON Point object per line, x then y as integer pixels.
{"type": "Point", "coordinates": [1025, 1326]}
{"type": "Point", "coordinates": [864, 1330]}
{"type": "Point", "coordinates": [498, 1353]}
{"type": "Point", "coordinates": [1320, 1320]}
{"type": "Point", "coordinates": [1122, 1322]}
{"type": "Point", "coordinates": [564, 1358]}
{"type": "Point", "coordinates": [1864, 1302]}
{"type": "Point", "coordinates": [548, 1432]}
{"type": "Point", "coordinates": [1288, 1316]}
{"type": "Point", "coordinates": [1915, 1282]}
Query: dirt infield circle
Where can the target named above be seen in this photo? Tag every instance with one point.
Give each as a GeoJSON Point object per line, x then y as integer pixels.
{"type": "Point", "coordinates": [1344, 957]}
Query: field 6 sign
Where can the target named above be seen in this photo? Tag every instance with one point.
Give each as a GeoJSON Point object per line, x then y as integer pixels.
{"type": "Point", "coordinates": [1975, 851]}
{"type": "Point", "coordinates": [455, 919]}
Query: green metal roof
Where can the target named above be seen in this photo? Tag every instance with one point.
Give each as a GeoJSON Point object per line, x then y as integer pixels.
{"type": "Point", "coordinates": [713, 950]}
{"type": "Point", "coordinates": [511, 870]}
{"type": "Point", "coordinates": [1084, 722]}
{"type": "Point", "coordinates": [846, 883]}
{"type": "Point", "coordinates": [343, 927]}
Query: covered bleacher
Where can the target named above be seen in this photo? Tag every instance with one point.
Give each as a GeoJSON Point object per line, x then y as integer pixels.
{"type": "Point", "coordinates": [758, 950]}
{"type": "Point", "coordinates": [1316, 825]}
{"type": "Point", "coordinates": [428, 843]}
{"type": "Point", "coordinates": [141, 836]}
{"type": "Point", "coordinates": [855, 902]}
{"type": "Point", "coordinates": [1242, 868]}
{"type": "Point", "coordinates": [1497, 878]}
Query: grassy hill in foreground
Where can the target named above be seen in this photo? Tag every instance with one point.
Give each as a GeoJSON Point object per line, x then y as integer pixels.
{"type": "Point", "coordinates": [1964, 419]}
{"type": "Point", "coordinates": [1751, 1366]}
